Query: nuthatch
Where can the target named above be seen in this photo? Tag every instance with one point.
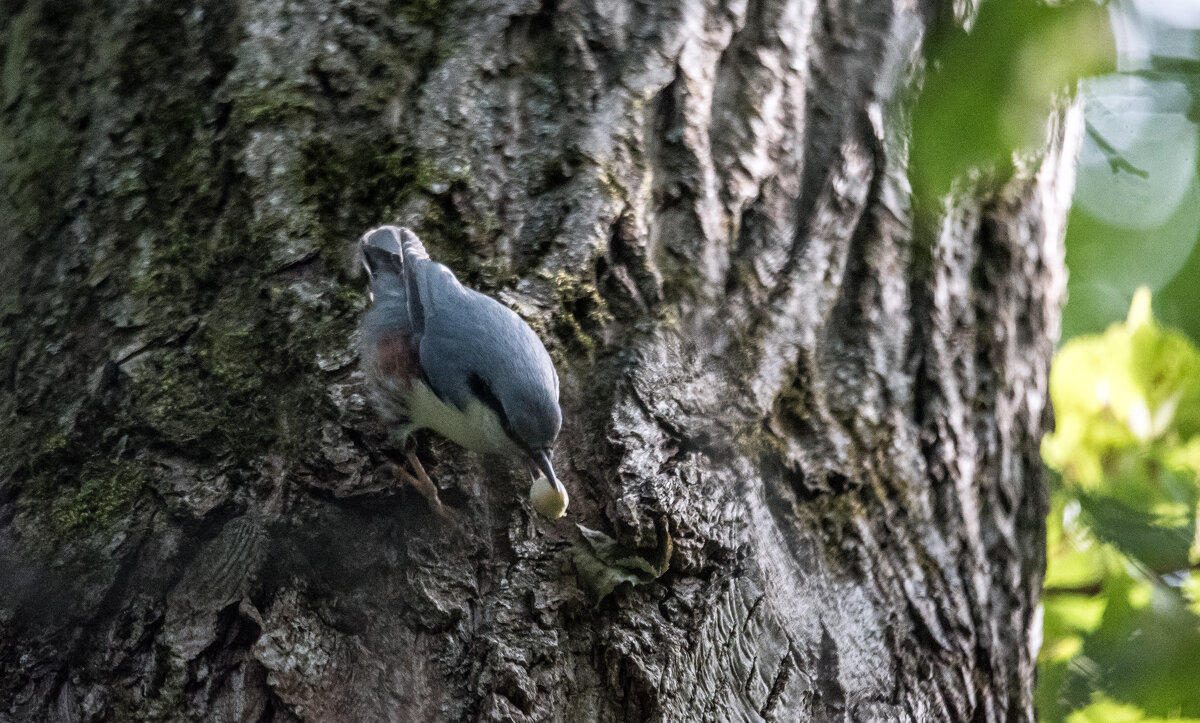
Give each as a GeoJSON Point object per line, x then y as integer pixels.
{"type": "Point", "coordinates": [440, 356]}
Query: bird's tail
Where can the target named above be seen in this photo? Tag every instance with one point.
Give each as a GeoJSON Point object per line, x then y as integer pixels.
{"type": "Point", "coordinates": [386, 248]}
{"type": "Point", "coordinates": [381, 252]}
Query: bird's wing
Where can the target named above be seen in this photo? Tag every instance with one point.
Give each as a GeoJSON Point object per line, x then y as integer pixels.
{"type": "Point", "coordinates": [451, 333]}
{"type": "Point", "coordinates": [416, 261]}
{"type": "Point", "coordinates": [389, 343]}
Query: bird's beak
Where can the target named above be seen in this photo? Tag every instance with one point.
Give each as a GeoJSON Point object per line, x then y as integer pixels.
{"type": "Point", "coordinates": [541, 460]}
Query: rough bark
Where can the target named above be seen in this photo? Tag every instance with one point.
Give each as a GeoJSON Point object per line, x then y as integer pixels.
{"type": "Point", "coordinates": [801, 431]}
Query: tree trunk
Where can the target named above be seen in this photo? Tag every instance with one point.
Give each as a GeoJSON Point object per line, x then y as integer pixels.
{"type": "Point", "coordinates": [801, 432]}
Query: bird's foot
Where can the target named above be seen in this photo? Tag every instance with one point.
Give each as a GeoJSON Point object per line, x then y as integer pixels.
{"type": "Point", "coordinates": [419, 479]}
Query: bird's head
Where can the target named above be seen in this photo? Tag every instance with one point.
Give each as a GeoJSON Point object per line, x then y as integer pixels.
{"type": "Point", "coordinates": [534, 419]}
{"type": "Point", "coordinates": [533, 427]}
{"type": "Point", "coordinates": [526, 401]}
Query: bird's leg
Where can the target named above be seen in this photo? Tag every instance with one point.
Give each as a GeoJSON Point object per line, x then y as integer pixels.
{"type": "Point", "coordinates": [420, 481]}
{"type": "Point", "coordinates": [423, 484]}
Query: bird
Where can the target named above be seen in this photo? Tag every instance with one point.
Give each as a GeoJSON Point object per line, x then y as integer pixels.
{"type": "Point", "coordinates": [438, 355]}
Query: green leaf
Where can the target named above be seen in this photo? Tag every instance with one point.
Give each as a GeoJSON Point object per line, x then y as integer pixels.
{"type": "Point", "coordinates": [1067, 618]}
{"type": "Point", "coordinates": [1158, 543]}
{"type": "Point", "coordinates": [1131, 395]}
{"type": "Point", "coordinates": [989, 91]}
{"type": "Point", "coordinates": [1145, 650]}
{"type": "Point", "coordinates": [1074, 559]}
{"type": "Point", "coordinates": [1104, 710]}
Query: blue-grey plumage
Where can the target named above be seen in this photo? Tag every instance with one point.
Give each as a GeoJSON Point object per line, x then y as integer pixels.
{"type": "Point", "coordinates": [438, 355]}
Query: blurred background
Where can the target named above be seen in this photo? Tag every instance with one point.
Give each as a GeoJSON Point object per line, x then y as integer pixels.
{"type": "Point", "coordinates": [1121, 607]}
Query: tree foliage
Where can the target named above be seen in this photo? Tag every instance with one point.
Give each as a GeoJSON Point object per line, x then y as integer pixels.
{"type": "Point", "coordinates": [1122, 604]}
